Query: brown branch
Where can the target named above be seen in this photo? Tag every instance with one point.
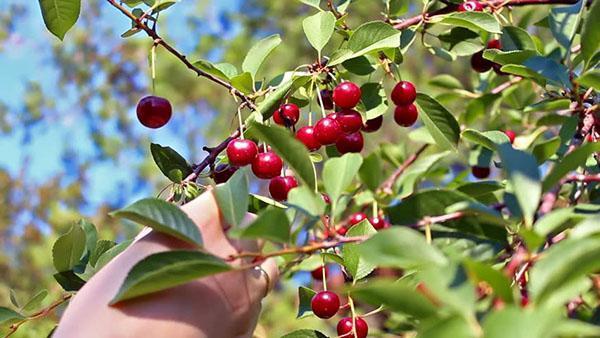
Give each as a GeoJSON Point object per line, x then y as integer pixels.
{"type": "Point", "coordinates": [582, 178]}
{"type": "Point", "coordinates": [506, 85]}
{"type": "Point", "coordinates": [492, 4]}
{"type": "Point", "coordinates": [40, 314]}
{"type": "Point", "coordinates": [386, 186]}
{"type": "Point", "coordinates": [158, 40]}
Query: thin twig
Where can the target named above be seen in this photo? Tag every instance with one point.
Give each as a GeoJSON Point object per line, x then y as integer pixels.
{"type": "Point", "coordinates": [40, 314]}
{"type": "Point", "coordinates": [387, 185]}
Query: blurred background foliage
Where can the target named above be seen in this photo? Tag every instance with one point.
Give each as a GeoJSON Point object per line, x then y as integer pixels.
{"type": "Point", "coordinates": [72, 147]}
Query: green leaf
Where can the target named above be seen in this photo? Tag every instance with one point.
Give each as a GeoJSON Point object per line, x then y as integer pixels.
{"type": "Point", "coordinates": [367, 38]}
{"type": "Point", "coordinates": [374, 100]}
{"type": "Point", "coordinates": [550, 69]}
{"type": "Point", "coordinates": [13, 298]}
{"type": "Point", "coordinates": [494, 278]}
{"type": "Point", "coordinates": [543, 151]}
{"type": "Point", "coordinates": [475, 21]}
{"type": "Point", "coordinates": [167, 269]}
{"type": "Point", "coordinates": [292, 151]}
{"type": "Point", "coordinates": [312, 3]}
{"type": "Point", "coordinates": [489, 139]}
{"type": "Point", "coordinates": [397, 297]}
{"type": "Point", "coordinates": [34, 302]}
{"type": "Point", "coordinates": [8, 316]}
{"type": "Point", "coordinates": [111, 253]}
{"type": "Point", "coordinates": [442, 126]}
{"type": "Point", "coordinates": [163, 217]}
{"type": "Point", "coordinates": [562, 218]}
{"type": "Point", "coordinates": [339, 172]}
{"type": "Point", "coordinates": [370, 171]}
{"type": "Point", "coordinates": [60, 15]}
{"type": "Point", "coordinates": [402, 248]}
{"type": "Point", "coordinates": [271, 224]}
{"type": "Point", "coordinates": [69, 281]}
{"type": "Point", "coordinates": [520, 323]}
{"type": "Point", "coordinates": [243, 82]}
{"type": "Point", "coordinates": [360, 66]}
{"type": "Point", "coordinates": [353, 261]}
{"type": "Point", "coordinates": [516, 38]}
{"type": "Point", "coordinates": [102, 246]}
{"type": "Point", "coordinates": [305, 333]}
{"type": "Point", "coordinates": [305, 296]}
{"type": "Point", "coordinates": [258, 53]}
{"type": "Point", "coordinates": [446, 81]}
{"type": "Point", "coordinates": [318, 29]}
{"type": "Point", "coordinates": [524, 176]}
{"type": "Point", "coordinates": [590, 44]}
{"type": "Point", "coordinates": [232, 197]}
{"type": "Point", "coordinates": [170, 163]}
{"type": "Point", "coordinates": [304, 197]}
{"type": "Point", "coordinates": [409, 180]}
{"type": "Point", "coordinates": [563, 22]}
{"type": "Point", "coordinates": [591, 78]}
{"type": "Point", "coordinates": [216, 70]}
{"type": "Point", "coordinates": [510, 57]}
{"type": "Point", "coordinates": [572, 161]}
{"type": "Point", "coordinates": [68, 249]}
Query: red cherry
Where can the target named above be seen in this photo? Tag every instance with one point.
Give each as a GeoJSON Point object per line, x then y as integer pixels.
{"type": "Point", "coordinates": [511, 135]}
{"type": "Point", "coordinates": [346, 95]}
{"type": "Point", "coordinates": [404, 93]}
{"type": "Point", "coordinates": [287, 115]}
{"type": "Point", "coordinates": [326, 96]}
{"type": "Point", "coordinates": [373, 125]}
{"type": "Point", "coordinates": [479, 64]}
{"type": "Point", "coordinates": [317, 274]}
{"type": "Point", "coordinates": [326, 198]}
{"type": "Point", "coordinates": [350, 120]}
{"type": "Point", "coordinates": [154, 111]}
{"type": "Point", "coordinates": [497, 67]}
{"type": "Point", "coordinates": [470, 6]}
{"type": "Point", "coordinates": [306, 135]}
{"type": "Point", "coordinates": [494, 44]}
{"type": "Point", "coordinates": [223, 172]}
{"type": "Point", "coordinates": [406, 116]}
{"type": "Point", "coordinates": [356, 218]}
{"type": "Point", "coordinates": [344, 328]}
{"type": "Point", "coordinates": [350, 143]}
{"type": "Point", "coordinates": [379, 222]}
{"type": "Point", "coordinates": [589, 137]}
{"type": "Point", "coordinates": [267, 165]}
{"type": "Point", "coordinates": [241, 152]}
{"type": "Point", "coordinates": [327, 131]}
{"type": "Point", "coordinates": [333, 115]}
{"type": "Point", "coordinates": [342, 231]}
{"type": "Point", "coordinates": [280, 186]}
{"type": "Point", "coordinates": [480, 172]}
{"type": "Point", "coordinates": [325, 304]}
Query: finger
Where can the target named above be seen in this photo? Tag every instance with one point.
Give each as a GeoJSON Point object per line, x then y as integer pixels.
{"type": "Point", "coordinates": [263, 279]}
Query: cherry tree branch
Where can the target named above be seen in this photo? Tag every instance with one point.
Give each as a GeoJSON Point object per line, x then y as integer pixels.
{"type": "Point", "coordinates": [40, 314]}
{"type": "Point", "coordinates": [387, 185]}
{"type": "Point", "coordinates": [492, 4]}
{"type": "Point", "coordinates": [159, 41]}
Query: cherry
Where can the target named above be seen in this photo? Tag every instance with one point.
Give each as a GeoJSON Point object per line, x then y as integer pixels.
{"type": "Point", "coordinates": [325, 304]}
{"type": "Point", "coordinates": [470, 6]}
{"type": "Point", "coordinates": [326, 96]}
{"type": "Point", "coordinates": [497, 67]}
{"type": "Point", "coordinates": [327, 131]}
{"type": "Point", "coordinates": [154, 111]}
{"type": "Point", "coordinates": [589, 137]}
{"type": "Point", "coordinates": [346, 94]}
{"type": "Point", "coordinates": [333, 115]}
{"type": "Point", "coordinates": [511, 135]}
{"type": "Point", "coordinates": [306, 135]}
{"type": "Point", "coordinates": [223, 172]}
{"type": "Point", "coordinates": [356, 218]}
{"type": "Point", "coordinates": [280, 186]}
{"type": "Point", "coordinates": [342, 231]}
{"type": "Point", "coordinates": [406, 116]}
{"type": "Point", "coordinates": [379, 222]}
{"type": "Point", "coordinates": [345, 325]}
{"type": "Point", "coordinates": [287, 115]}
{"type": "Point", "coordinates": [241, 152]}
{"type": "Point", "coordinates": [479, 64]}
{"type": "Point", "coordinates": [350, 143]}
{"type": "Point", "coordinates": [326, 198]}
{"type": "Point", "coordinates": [373, 125]}
{"type": "Point", "coordinates": [480, 172]}
{"type": "Point", "coordinates": [317, 274]}
{"type": "Point", "coordinates": [494, 44]}
{"type": "Point", "coordinates": [267, 165]}
{"type": "Point", "coordinates": [404, 93]}
{"type": "Point", "coordinates": [350, 120]}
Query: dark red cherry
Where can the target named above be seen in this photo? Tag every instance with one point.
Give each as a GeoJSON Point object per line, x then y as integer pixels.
{"type": "Point", "coordinates": [511, 135]}
{"type": "Point", "coordinates": [241, 152]}
{"type": "Point", "coordinates": [404, 93]}
{"type": "Point", "coordinates": [497, 70]}
{"type": "Point", "coordinates": [306, 135]}
{"type": "Point", "coordinates": [379, 222]}
{"type": "Point", "coordinates": [223, 173]}
{"type": "Point", "coordinates": [406, 116]}
{"type": "Point", "coordinates": [342, 230]}
{"type": "Point", "coordinates": [326, 198]}
{"type": "Point", "coordinates": [327, 131]}
{"type": "Point", "coordinates": [325, 304]}
{"type": "Point", "coordinates": [350, 143]}
{"type": "Point", "coordinates": [479, 64]}
{"type": "Point", "coordinates": [280, 186]}
{"type": "Point", "coordinates": [356, 218]}
{"type": "Point", "coordinates": [317, 274]}
{"type": "Point", "coordinates": [470, 6]}
{"type": "Point", "coordinates": [346, 95]}
{"type": "Point", "coordinates": [350, 120]}
{"type": "Point", "coordinates": [373, 125]}
{"type": "Point", "coordinates": [494, 44]}
{"type": "Point", "coordinates": [287, 115]}
{"type": "Point", "coordinates": [326, 96]}
{"type": "Point", "coordinates": [345, 326]}
{"type": "Point", "coordinates": [154, 111]}
{"type": "Point", "coordinates": [267, 165]}
{"type": "Point", "coordinates": [480, 172]}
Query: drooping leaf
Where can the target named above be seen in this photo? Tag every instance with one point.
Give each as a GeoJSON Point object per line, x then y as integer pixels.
{"type": "Point", "coordinates": [489, 139]}
{"type": "Point", "coordinates": [271, 224]}
{"type": "Point", "coordinates": [170, 163]}
{"type": "Point", "coordinates": [69, 281]}
{"type": "Point", "coordinates": [305, 198]}
{"type": "Point", "coordinates": [339, 172]}
{"type": "Point", "coordinates": [370, 170]}
{"type": "Point", "coordinates": [367, 38]}
{"type": "Point", "coordinates": [232, 197]}
{"type": "Point", "coordinates": [68, 249]}
{"type": "Point", "coordinates": [163, 217]}
{"type": "Point", "coordinates": [305, 296]}
{"type": "Point", "coordinates": [258, 53]}
{"type": "Point", "coordinates": [60, 15]}
{"type": "Point", "coordinates": [476, 21]}
{"type": "Point", "coordinates": [318, 29]}
{"type": "Point", "coordinates": [442, 126]}
{"type": "Point", "coordinates": [354, 262]}
{"type": "Point", "coordinates": [374, 99]}
{"type": "Point", "coordinates": [167, 269]}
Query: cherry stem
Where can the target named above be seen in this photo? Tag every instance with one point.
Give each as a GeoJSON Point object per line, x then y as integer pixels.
{"type": "Point", "coordinates": [241, 122]}
{"type": "Point", "coordinates": [323, 114]}
{"type": "Point", "coordinates": [153, 67]}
